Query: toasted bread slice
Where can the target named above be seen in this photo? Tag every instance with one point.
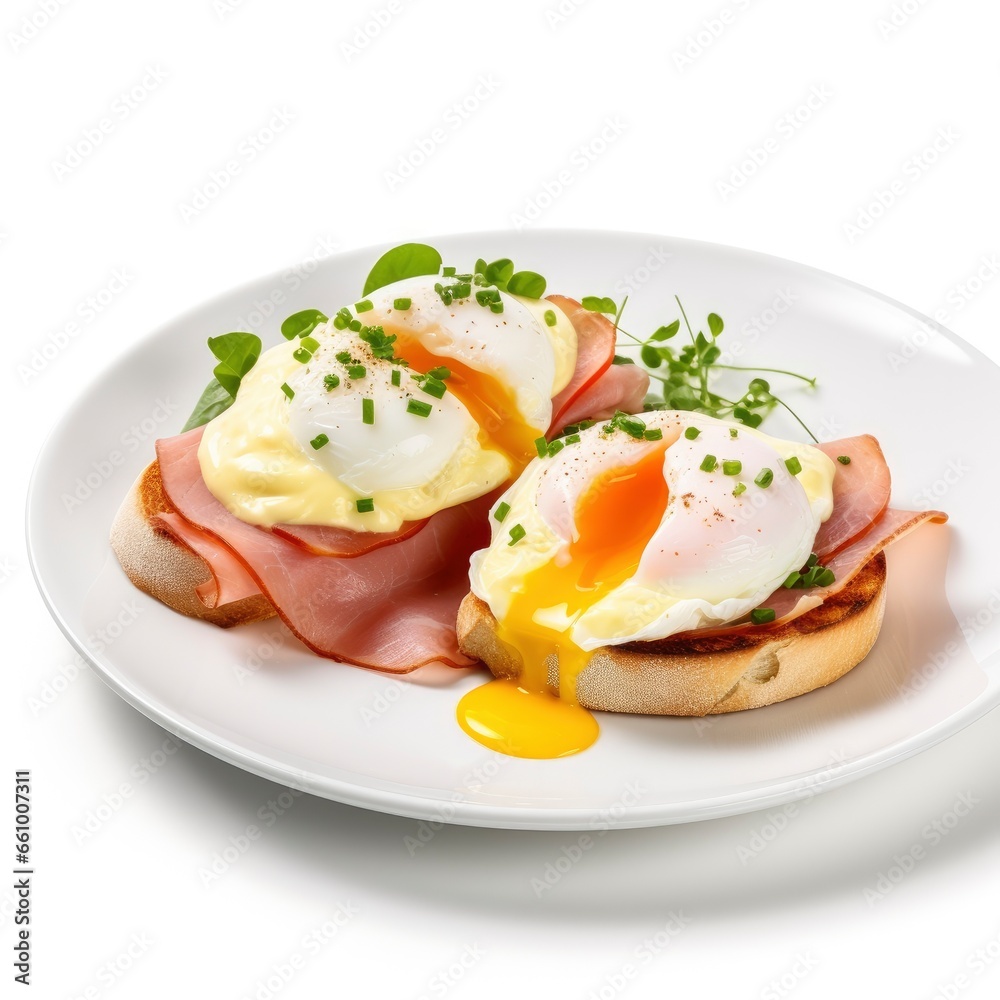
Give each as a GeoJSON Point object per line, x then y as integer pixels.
{"type": "Point", "coordinates": [692, 676]}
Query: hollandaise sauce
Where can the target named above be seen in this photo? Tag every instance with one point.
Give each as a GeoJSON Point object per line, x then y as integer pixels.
{"type": "Point", "coordinates": [538, 715]}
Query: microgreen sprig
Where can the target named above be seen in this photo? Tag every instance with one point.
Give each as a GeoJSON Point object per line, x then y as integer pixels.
{"type": "Point", "coordinates": [686, 372]}
{"type": "Point", "coordinates": [378, 341]}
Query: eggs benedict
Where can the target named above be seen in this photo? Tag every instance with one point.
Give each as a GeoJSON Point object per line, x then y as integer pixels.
{"type": "Point", "coordinates": [668, 564]}
{"type": "Point", "coordinates": [423, 406]}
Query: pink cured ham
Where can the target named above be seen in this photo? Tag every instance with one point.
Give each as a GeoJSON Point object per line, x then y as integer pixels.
{"type": "Point", "coordinates": [621, 387]}
{"type": "Point", "coordinates": [322, 540]}
{"type": "Point", "coordinates": [848, 562]}
{"type": "Point", "coordinates": [595, 350]}
{"type": "Point", "coordinates": [392, 608]}
{"type": "Point", "coordinates": [789, 604]}
{"type": "Point", "coordinates": [860, 493]}
{"type": "Point", "coordinates": [229, 581]}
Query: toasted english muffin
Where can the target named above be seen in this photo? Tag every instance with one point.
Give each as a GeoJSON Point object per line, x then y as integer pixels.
{"type": "Point", "coordinates": [688, 675]}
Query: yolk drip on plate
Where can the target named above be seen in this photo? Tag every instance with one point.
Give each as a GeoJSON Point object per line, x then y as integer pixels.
{"type": "Point", "coordinates": [489, 402]}
{"type": "Point", "coordinates": [615, 518]}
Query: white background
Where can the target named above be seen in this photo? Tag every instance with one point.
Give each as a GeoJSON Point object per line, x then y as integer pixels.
{"type": "Point", "coordinates": [586, 118]}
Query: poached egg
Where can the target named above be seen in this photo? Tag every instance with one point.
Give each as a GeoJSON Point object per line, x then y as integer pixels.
{"type": "Point", "coordinates": [332, 430]}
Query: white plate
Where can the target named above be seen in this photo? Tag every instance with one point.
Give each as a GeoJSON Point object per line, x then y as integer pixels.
{"type": "Point", "coordinates": [255, 697]}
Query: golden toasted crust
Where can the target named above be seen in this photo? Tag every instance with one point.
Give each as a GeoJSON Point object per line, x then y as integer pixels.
{"type": "Point", "coordinates": [159, 566]}
{"type": "Point", "coordinates": [705, 676]}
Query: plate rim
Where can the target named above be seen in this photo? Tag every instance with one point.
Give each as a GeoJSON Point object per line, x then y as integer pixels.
{"type": "Point", "coordinates": [413, 804]}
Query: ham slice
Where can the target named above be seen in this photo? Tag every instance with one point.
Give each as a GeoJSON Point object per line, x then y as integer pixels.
{"type": "Point", "coordinates": [323, 540]}
{"type": "Point", "coordinates": [229, 581]}
{"type": "Point", "coordinates": [392, 608]}
{"type": "Point", "coordinates": [848, 562]}
{"type": "Point", "coordinates": [789, 604]}
{"type": "Point", "coordinates": [595, 350]}
{"type": "Point", "coordinates": [860, 493]}
{"type": "Point", "coordinates": [620, 387]}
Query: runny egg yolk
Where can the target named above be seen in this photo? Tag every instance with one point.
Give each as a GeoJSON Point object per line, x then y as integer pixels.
{"type": "Point", "coordinates": [615, 518]}
{"type": "Point", "coordinates": [489, 402]}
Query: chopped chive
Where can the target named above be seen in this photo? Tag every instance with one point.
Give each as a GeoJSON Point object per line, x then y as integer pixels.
{"type": "Point", "coordinates": [365, 505]}
{"type": "Point", "coordinates": [503, 509]}
{"type": "Point", "coordinates": [462, 290]}
{"type": "Point", "coordinates": [344, 357]}
{"type": "Point", "coordinates": [691, 433]}
{"type": "Point", "coordinates": [339, 323]}
{"type": "Point", "coordinates": [793, 465]}
{"type": "Point", "coordinates": [825, 577]}
{"type": "Point", "coordinates": [572, 439]}
{"type": "Point", "coordinates": [288, 390]}
{"type": "Point", "coordinates": [331, 382]}
{"type": "Point", "coordinates": [791, 580]}
{"type": "Point", "coordinates": [732, 467]}
{"type": "Point", "coordinates": [764, 478]}
{"type": "Point", "coordinates": [367, 410]}
{"type": "Point", "coordinates": [632, 426]}
{"type": "Point", "coordinates": [653, 434]}
{"type": "Point", "coordinates": [401, 303]}
{"type": "Point", "coordinates": [555, 447]}
{"type": "Point", "coordinates": [733, 432]}
{"type": "Point", "coordinates": [363, 306]}
{"type": "Point", "coordinates": [761, 616]}
{"type": "Point", "coordinates": [448, 272]}
{"type": "Point", "coordinates": [739, 489]}
{"type": "Point", "coordinates": [708, 463]}
{"type": "Point", "coordinates": [550, 317]}
{"type": "Point", "coordinates": [419, 407]}
{"type": "Point", "coordinates": [516, 534]}
{"type": "Point", "coordinates": [395, 376]}
{"type": "Point", "coordinates": [356, 371]}
{"type": "Point", "coordinates": [355, 325]}
{"type": "Point", "coordinates": [319, 441]}
{"type": "Point", "coordinates": [302, 355]}
{"type": "Point", "coordinates": [844, 459]}
{"type": "Point", "coordinates": [812, 560]}
{"type": "Point", "coordinates": [442, 372]}
{"type": "Point", "coordinates": [541, 446]}
{"type": "Point", "coordinates": [434, 387]}
{"type": "Point", "coordinates": [345, 314]}
{"type": "Point", "coordinates": [496, 307]}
